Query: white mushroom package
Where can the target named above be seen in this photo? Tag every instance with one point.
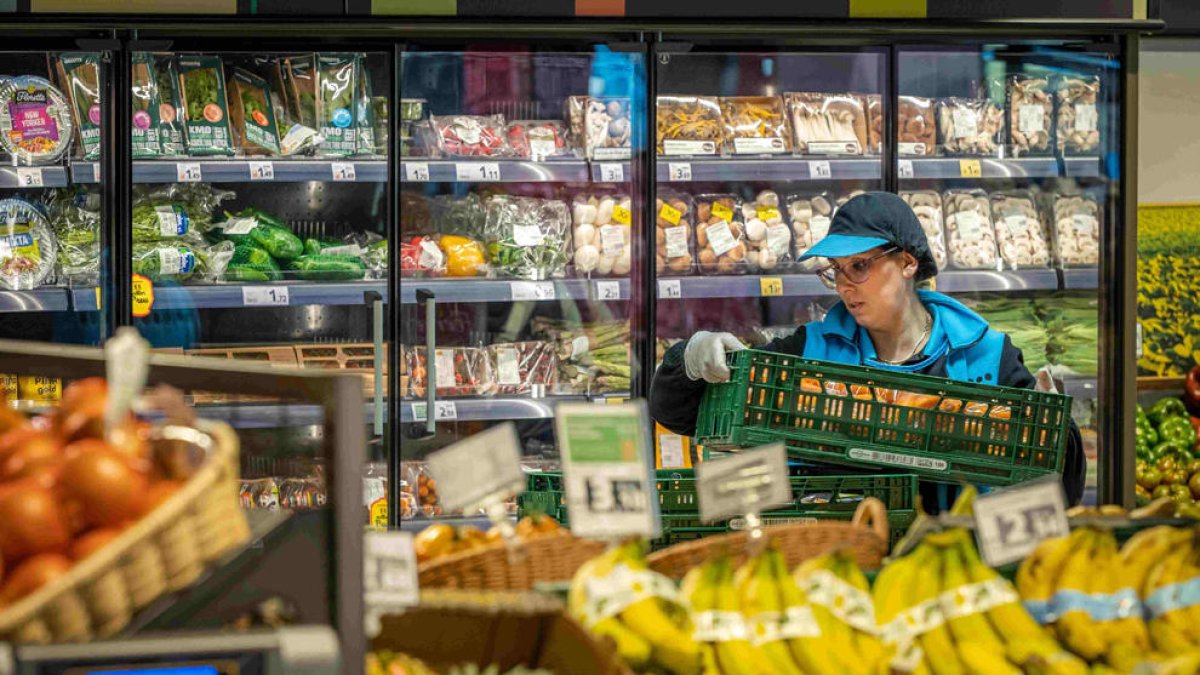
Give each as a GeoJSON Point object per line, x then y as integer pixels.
{"type": "Point", "coordinates": [1077, 230]}
{"type": "Point", "coordinates": [811, 215]}
{"type": "Point", "coordinates": [1078, 117]}
{"type": "Point", "coordinates": [768, 237]}
{"type": "Point", "coordinates": [968, 126]}
{"type": "Point", "coordinates": [675, 238]}
{"type": "Point", "coordinates": [970, 237]}
{"type": "Point", "coordinates": [1020, 234]}
{"type": "Point", "coordinates": [1030, 115]}
{"type": "Point", "coordinates": [602, 234]}
{"type": "Point", "coordinates": [927, 204]}
{"type": "Point", "coordinates": [720, 234]}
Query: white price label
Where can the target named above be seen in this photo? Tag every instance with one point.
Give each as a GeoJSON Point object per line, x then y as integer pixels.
{"type": "Point", "coordinates": [442, 411]}
{"type": "Point", "coordinates": [1010, 523]}
{"type": "Point", "coordinates": [416, 172]}
{"type": "Point", "coordinates": [608, 290]}
{"type": "Point", "coordinates": [477, 171]}
{"type": "Point", "coordinates": [752, 481]}
{"type": "Point", "coordinates": [390, 581]}
{"type": "Point", "coordinates": [612, 172]}
{"type": "Point", "coordinates": [607, 463]}
{"type": "Point", "coordinates": [343, 171]}
{"type": "Point", "coordinates": [188, 172]}
{"type": "Point", "coordinates": [905, 169]}
{"type": "Point", "coordinates": [479, 468]}
{"type": "Point", "coordinates": [669, 289]}
{"type": "Point", "coordinates": [679, 171]}
{"type": "Point", "coordinates": [532, 290]}
{"type": "Point", "coordinates": [265, 296]}
{"type": "Point", "coordinates": [820, 170]}
{"type": "Point", "coordinates": [30, 177]}
{"type": "Point", "coordinates": [262, 171]}
{"type": "Point", "coordinates": [670, 451]}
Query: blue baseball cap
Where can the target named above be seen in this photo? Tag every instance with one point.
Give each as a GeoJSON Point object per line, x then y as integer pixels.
{"type": "Point", "coordinates": [875, 219]}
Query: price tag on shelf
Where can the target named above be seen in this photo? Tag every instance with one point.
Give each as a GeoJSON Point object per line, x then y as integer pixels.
{"type": "Point", "coordinates": [30, 177]}
{"type": "Point", "coordinates": [771, 286]}
{"type": "Point", "coordinates": [477, 171]}
{"type": "Point", "coordinates": [905, 169]}
{"type": "Point", "coordinates": [262, 171]}
{"type": "Point", "coordinates": [532, 290]}
{"type": "Point", "coordinates": [612, 172]}
{"type": "Point", "coordinates": [820, 170]}
{"type": "Point", "coordinates": [265, 296]}
{"type": "Point", "coordinates": [669, 289]}
{"type": "Point", "coordinates": [442, 411]}
{"type": "Point", "coordinates": [343, 171]}
{"type": "Point", "coordinates": [390, 582]}
{"type": "Point", "coordinates": [608, 290]}
{"type": "Point", "coordinates": [751, 481]}
{"type": "Point", "coordinates": [416, 172]}
{"type": "Point", "coordinates": [1010, 523]}
{"type": "Point", "coordinates": [679, 171]}
{"type": "Point", "coordinates": [970, 168]}
{"type": "Point", "coordinates": [607, 461]}
{"type": "Point", "coordinates": [483, 466]}
{"type": "Point", "coordinates": [188, 172]}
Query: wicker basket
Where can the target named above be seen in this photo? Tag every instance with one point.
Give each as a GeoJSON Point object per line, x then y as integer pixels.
{"type": "Point", "coordinates": [866, 534]}
{"type": "Point", "coordinates": [165, 551]}
{"type": "Point", "coordinates": [547, 558]}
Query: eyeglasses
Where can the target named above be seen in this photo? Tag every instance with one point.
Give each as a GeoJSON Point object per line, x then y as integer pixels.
{"type": "Point", "coordinates": [857, 271]}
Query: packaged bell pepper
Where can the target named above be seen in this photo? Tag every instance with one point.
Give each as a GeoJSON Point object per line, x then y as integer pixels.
{"type": "Point", "coordinates": [205, 107]}
{"type": "Point", "coordinates": [79, 74]}
{"type": "Point", "coordinates": [336, 103]}
{"type": "Point", "coordinates": [264, 230]}
{"type": "Point", "coordinates": [35, 120]}
{"type": "Point", "coordinates": [146, 124]}
{"type": "Point", "coordinates": [253, 115]}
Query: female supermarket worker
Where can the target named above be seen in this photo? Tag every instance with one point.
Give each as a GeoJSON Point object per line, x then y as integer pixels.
{"type": "Point", "coordinates": [877, 253]}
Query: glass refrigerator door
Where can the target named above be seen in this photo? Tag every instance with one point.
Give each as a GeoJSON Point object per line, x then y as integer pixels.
{"type": "Point", "coordinates": [1007, 152]}
{"type": "Point", "coordinates": [520, 226]}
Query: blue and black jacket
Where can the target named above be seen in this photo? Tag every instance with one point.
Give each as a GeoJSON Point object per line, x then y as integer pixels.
{"type": "Point", "coordinates": [961, 346]}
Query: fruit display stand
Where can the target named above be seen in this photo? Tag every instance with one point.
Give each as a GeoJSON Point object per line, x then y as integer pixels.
{"type": "Point", "coordinates": [497, 566]}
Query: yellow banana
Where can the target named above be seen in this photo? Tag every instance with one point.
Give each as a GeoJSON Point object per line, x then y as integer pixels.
{"type": "Point", "coordinates": [1127, 638]}
{"type": "Point", "coordinates": [633, 650]}
{"type": "Point", "coordinates": [980, 658]}
{"type": "Point", "coordinates": [828, 654]}
{"type": "Point", "coordinates": [1075, 627]}
{"type": "Point", "coordinates": [671, 645]}
{"type": "Point", "coordinates": [1170, 632]}
{"type": "Point", "coordinates": [759, 599]}
{"type": "Point", "coordinates": [734, 656]}
{"type": "Point", "coordinates": [1010, 620]}
{"type": "Point", "coordinates": [868, 647]}
{"type": "Point", "coordinates": [968, 628]}
{"type": "Point", "coordinates": [1038, 573]}
{"type": "Point", "coordinates": [892, 594]}
{"type": "Point", "coordinates": [1044, 656]}
{"type": "Point", "coordinates": [936, 642]}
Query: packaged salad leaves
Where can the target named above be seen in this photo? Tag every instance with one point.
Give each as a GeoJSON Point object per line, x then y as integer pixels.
{"type": "Point", "coordinates": [162, 220]}
{"type": "Point", "coordinates": [337, 89]}
{"type": "Point", "coordinates": [35, 120]}
{"type": "Point", "coordinates": [146, 123]}
{"type": "Point", "coordinates": [28, 247]}
{"type": "Point", "coordinates": [300, 75]}
{"type": "Point", "coordinates": [205, 105]}
{"type": "Point", "coordinates": [367, 142]}
{"type": "Point", "coordinates": [74, 213]}
{"type": "Point", "coordinates": [527, 238]}
{"type": "Point", "coordinates": [180, 260]}
{"type": "Point", "coordinates": [689, 125]}
{"type": "Point", "coordinates": [170, 114]}
{"type": "Point", "coordinates": [450, 214]}
{"type": "Point", "coordinates": [253, 115]}
{"type": "Point", "coordinates": [79, 74]}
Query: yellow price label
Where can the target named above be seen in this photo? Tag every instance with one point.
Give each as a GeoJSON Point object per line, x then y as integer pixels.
{"type": "Point", "coordinates": [622, 215]}
{"type": "Point", "coordinates": [143, 295]}
{"type": "Point", "coordinates": [8, 387]}
{"type": "Point", "coordinates": [670, 214]}
{"type": "Point", "coordinates": [723, 212]}
{"type": "Point", "coordinates": [613, 401]}
{"type": "Point", "coordinates": [768, 213]}
{"type": "Point", "coordinates": [98, 305]}
{"type": "Point", "coordinates": [378, 515]}
{"type": "Point", "coordinates": [970, 168]}
{"type": "Point", "coordinates": [34, 388]}
{"type": "Point", "coordinates": [771, 286]}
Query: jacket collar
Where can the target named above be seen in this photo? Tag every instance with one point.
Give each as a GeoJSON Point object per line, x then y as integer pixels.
{"type": "Point", "coordinates": [953, 322]}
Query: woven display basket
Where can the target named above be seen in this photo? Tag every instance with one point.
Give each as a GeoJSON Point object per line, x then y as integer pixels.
{"type": "Point", "coordinates": [546, 558]}
{"type": "Point", "coordinates": [866, 534]}
{"type": "Point", "coordinates": [168, 549]}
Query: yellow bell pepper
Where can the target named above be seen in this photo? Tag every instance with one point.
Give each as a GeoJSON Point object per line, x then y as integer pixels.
{"type": "Point", "coordinates": [464, 256]}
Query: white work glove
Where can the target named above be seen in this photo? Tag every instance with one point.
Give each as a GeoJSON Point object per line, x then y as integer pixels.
{"type": "Point", "coordinates": [1045, 380]}
{"type": "Point", "coordinates": [704, 356]}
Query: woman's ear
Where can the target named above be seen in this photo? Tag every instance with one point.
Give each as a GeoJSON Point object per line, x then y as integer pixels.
{"type": "Point", "coordinates": [910, 265]}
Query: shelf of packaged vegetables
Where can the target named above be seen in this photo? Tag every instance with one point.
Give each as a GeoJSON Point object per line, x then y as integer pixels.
{"type": "Point", "coordinates": [512, 171]}
{"type": "Point", "coordinates": [943, 168]}
{"type": "Point", "coordinates": [245, 170]}
{"type": "Point", "coordinates": [803, 285]}
{"type": "Point", "coordinates": [224, 296]}
{"type": "Point", "coordinates": [33, 176]}
{"type": "Point", "coordinates": [35, 300]}
{"type": "Point", "coordinates": [498, 290]}
{"type": "Point", "coordinates": [496, 408]}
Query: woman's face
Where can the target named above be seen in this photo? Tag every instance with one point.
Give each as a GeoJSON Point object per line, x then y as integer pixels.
{"type": "Point", "coordinates": [878, 302]}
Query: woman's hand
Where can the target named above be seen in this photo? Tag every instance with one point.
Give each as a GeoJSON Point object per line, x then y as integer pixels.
{"type": "Point", "coordinates": [704, 356]}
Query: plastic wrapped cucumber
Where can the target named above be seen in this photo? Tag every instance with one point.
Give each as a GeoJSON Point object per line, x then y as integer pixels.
{"type": "Point", "coordinates": [251, 263]}
{"type": "Point", "coordinates": [322, 267]}
{"type": "Point", "coordinates": [264, 230]}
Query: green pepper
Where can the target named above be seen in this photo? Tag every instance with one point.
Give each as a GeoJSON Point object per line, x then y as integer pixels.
{"type": "Point", "coordinates": [1167, 407]}
{"type": "Point", "coordinates": [1169, 449]}
{"type": "Point", "coordinates": [1178, 430]}
{"type": "Point", "coordinates": [1141, 449]}
{"type": "Point", "coordinates": [1147, 433]}
{"type": "Point", "coordinates": [1140, 414]}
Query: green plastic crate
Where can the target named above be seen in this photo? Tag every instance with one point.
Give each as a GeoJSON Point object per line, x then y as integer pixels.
{"type": "Point", "coordinates": [814, 409]}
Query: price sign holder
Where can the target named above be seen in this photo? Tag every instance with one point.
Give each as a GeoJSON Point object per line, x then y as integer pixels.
{"type": "Point", "coordinates": [771, 286]}
{"type": "Point", "coordinates": [481, 472]}
{"type": "Point", "coordinates": [970, 168]}
{"type": "Point", "coordinates": [607, 460]}
{"type": "Point", "coordinates": [1010, 523]}
{"type": "Point", "coordinates": [745, 484]}
{"type": "Point", "coordinates": [390, 582]}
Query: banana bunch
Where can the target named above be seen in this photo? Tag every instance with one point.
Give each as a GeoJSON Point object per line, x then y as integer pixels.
{"type": "Point", "coordinates": [841, 603]}
{"type": "Point", "coordinates": [617, 597]}
{"type": "Point", "coordinates": [1164, 564]}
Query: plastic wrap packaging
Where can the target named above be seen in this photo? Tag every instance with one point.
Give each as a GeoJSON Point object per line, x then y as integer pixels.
{"type": "Point", "coordinates": [811, 215]}
{"type": "Point", "coordinates": [970, 237]}
{"type": "Point", "coordinates": [204, 101]}
{"type": "Point", "coordinates": [689, 125]}
{"type": "Point", "coordinates": [471, 135]}
{"type": "Point", "coordinates": [252, 115]}
{"type": "Point", "coordinates": [1030, 116]}
{"type": "Point", "coordinates": [1077, 230]}
{"type": "Point", "coordinates": [461, 371]}
{"type": "Point", "coordinates": [28, 247]}
{"type": "Point", "coordinates": [828, 124]}
{"type": "Point", "coordinates": [424, 489]}
{"type": "Point", "coordinates": [874, 124]}
{"type": "Point", "coordinates": [182, 260]}
{"type": "Point", "coordinates": [720, 234]}
{"type": "Point", "coordinates": [465, 257]}
{"type": "Point", "coordinates": [170, 109]}
{"type": "Point", "coordinates": [969, 127]}
{"type": "Point", "coordinates": [522, 367]}
{"type": "Point", "coordinates": [916, 128]}
{"type": "Point", "coordinates": [421, 256]}
{"type": "Point", "coordinates": [74, 214]}
{"type": "Point", "coordinates": [35, 120]}
{"type": "Point", "coordinates": [601, 232]}
{"type": "Point", "coordinates": [1078, 115]}
{"type": "Point", "coordinates": [755, 125]}
{"type": "Point", "coordinates": [538, 140]}
{"type": "Point", "coordinates": [1020, 233]}
{"type": "Point", "coordinates": [416, 216]}
{"type": "Point", "coordinates": [601, 126]}
{"type": "Point", "coordinates": [768, 237]}
{"type": "Point", "coordinates": [79, 74]}
{"type": "Point", "coordinates": [337, 95]}
{"type": "Point", "coordinates": [527, 238]}
{"type": "Point", "coordinates": [464, 216]}
{"type": "Point", "coordinates": [145, 106]}
{"type": "Point", "coordinates": [927, 205]}
{"type": "Point", "coordinates": [675, 234]}
{"type": "Point", "coordinates": [375, 257]}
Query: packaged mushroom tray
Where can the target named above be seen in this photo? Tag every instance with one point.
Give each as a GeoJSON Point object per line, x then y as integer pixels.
{"type": "Point", "coordinates": [1077, 230]}
{"type": "Point", "coordinates": [969, 127]}
{"type": "Point", "coordinates": [828, 124]}
{"type": "Point", "coordinates": [1078, 117]}
{"type": "Point", "coordinates": [689, 125]}
{"type": "Point", "coordinates": [970, 237]}
{"type": "Point", "coordinates": [675, 234]}
{"type": "Point", "coordinates": [916, 128]}
{"type": "Point", "coordinates": [1020, 234]}
{"type": "Point", "coordinates": [810, 215]}
{"type": "Point", "coordinates": [927, 204]}
{"type": "Point", "coordinates": [874, 124]}
{"type": "Point", "coordinates": [601, 232]}
{"type": "Point", "coordinates": [720, 234]}
{"type": "Point", "coordinates": [756, 125]}
{"type": "Point", "coordinates": [1030, 116]}
{"type": "Point", "coordinates": [768, 237]}
{"type": "Point", "coordinates": [601, 126]}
